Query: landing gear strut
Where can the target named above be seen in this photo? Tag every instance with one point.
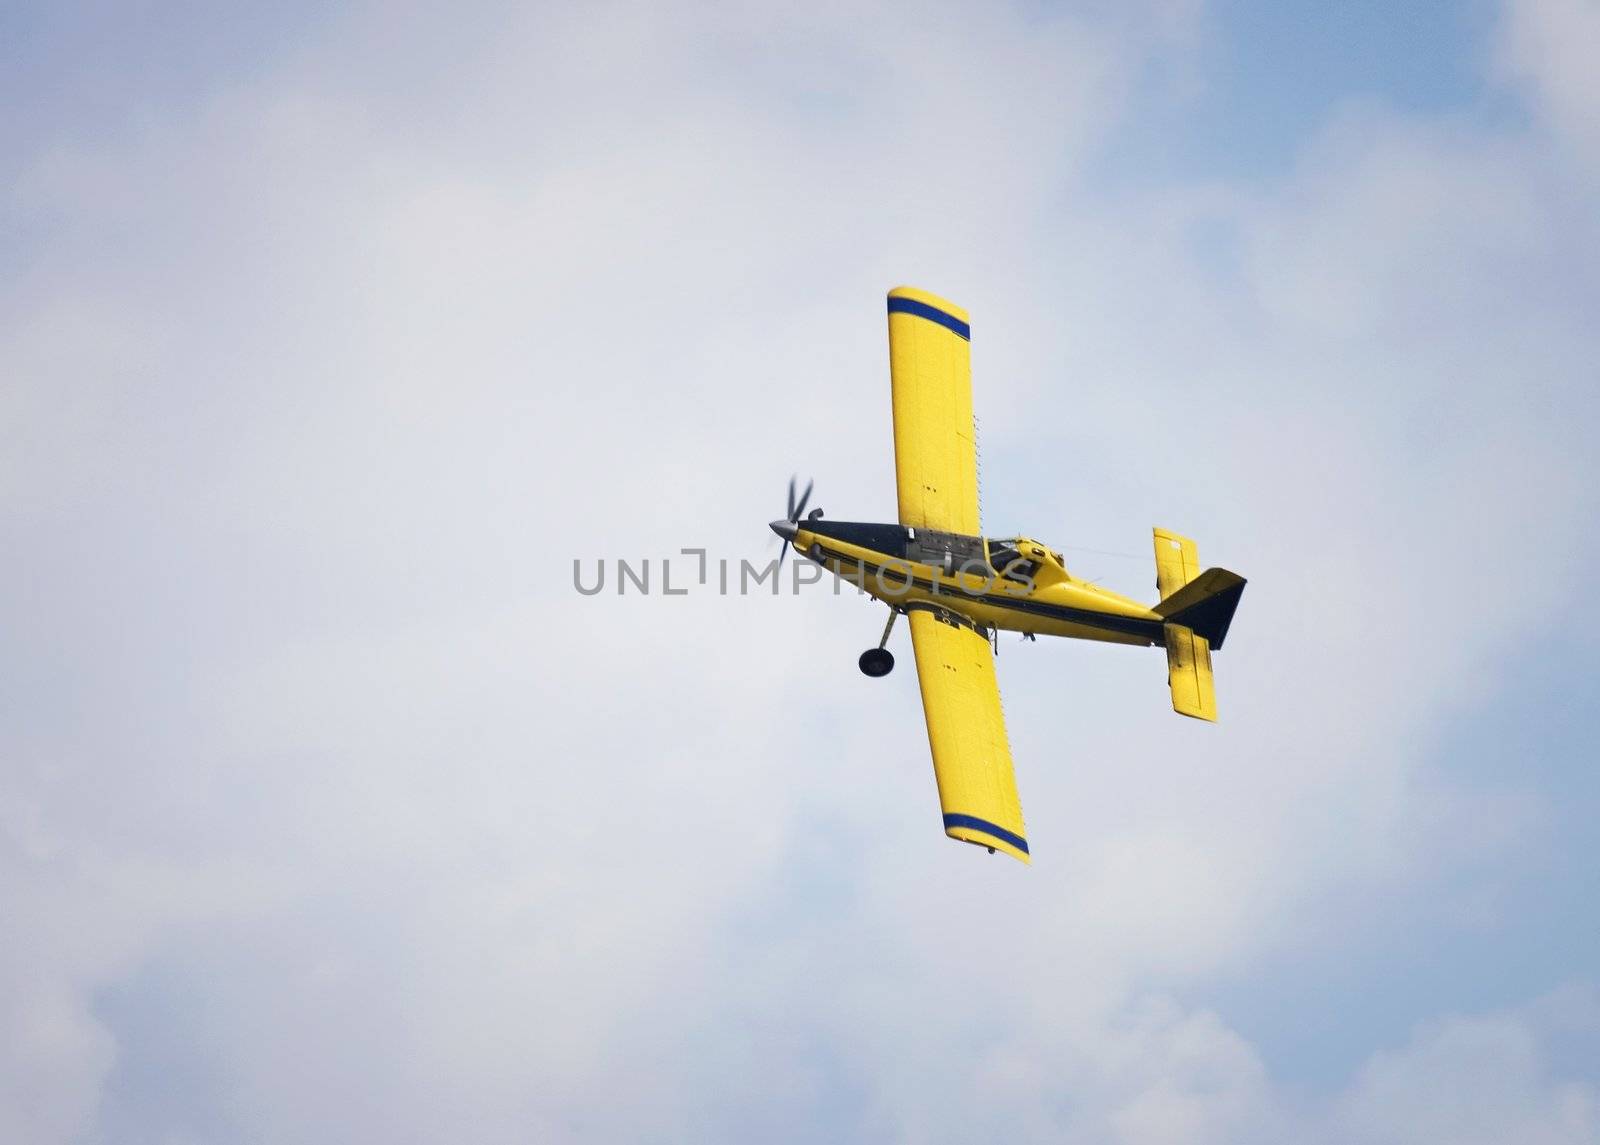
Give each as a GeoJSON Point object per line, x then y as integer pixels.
{"type": "Point", "coordinates": [879, 661]}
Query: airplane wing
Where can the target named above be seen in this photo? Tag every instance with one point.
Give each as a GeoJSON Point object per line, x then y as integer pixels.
{"type": "Point", "coordinates": [967, 731]}
{"type": "Point", "coordinates": [935, 449]}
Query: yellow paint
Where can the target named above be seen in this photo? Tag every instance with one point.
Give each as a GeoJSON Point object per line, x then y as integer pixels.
{"type": "Point", "coordinates": [935, 446]}
{"type": "Point", "coordinates": [1177, 562]}
{"type": "Point", "coordinates": [966, 731]}
{"type": "Point", "coordinates": [900, 582]}
{"type": "Point", "coordinates": [1189, 673]}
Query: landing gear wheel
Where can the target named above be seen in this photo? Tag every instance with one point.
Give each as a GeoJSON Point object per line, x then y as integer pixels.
{"type": "Point", "coordinates": [877, 662]}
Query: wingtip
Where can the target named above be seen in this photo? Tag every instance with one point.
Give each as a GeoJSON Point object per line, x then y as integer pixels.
{"type": "Point", "coordinates": [929, 298]}
{"type": "Point", "coordinates": [991, 843]}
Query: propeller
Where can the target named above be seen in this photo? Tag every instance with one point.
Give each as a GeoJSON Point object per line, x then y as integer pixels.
{"type": "Point", "coordinates": [787, 527]}
{"type": "Point", "coordinates": [796, 510]}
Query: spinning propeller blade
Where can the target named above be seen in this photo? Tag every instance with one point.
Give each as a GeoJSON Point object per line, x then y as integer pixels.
{"type": "Point", "coordinates": [796, 511]}
{"type": "Point", "coordinates": [786, 527]}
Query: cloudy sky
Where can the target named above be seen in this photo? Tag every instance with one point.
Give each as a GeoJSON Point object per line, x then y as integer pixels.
{"type": "Point", "coordinates": [330, 339]}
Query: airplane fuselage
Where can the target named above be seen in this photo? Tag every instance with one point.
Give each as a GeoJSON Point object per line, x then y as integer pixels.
{"type": "Point", "coordinates": [1018, 585]}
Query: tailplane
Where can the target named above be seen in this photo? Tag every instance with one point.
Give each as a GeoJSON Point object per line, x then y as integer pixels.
{"type": "Point", "coordinates": [1177, 562]}
{"type": "Point", "coordinates": [1198, 607]}
{"type": "Point", "coordinates": [1194, 690]}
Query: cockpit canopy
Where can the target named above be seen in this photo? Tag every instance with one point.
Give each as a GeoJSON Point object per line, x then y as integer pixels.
{"type": "Point", "coordinates": [1005, 557]}
{"type": "Point", "coordinates": [1015, 558]}
{"type": "Point", "coordinates": [1020, 558]}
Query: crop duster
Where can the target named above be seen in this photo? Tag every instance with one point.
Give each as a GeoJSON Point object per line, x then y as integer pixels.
{"type": "Point", "coordinates": [958, 588]}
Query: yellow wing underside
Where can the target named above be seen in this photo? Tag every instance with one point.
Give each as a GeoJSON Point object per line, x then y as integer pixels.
{"type": "Point", "coordinates": [967, 732]}
{"type": "Point", "coordinates": [935, 447]}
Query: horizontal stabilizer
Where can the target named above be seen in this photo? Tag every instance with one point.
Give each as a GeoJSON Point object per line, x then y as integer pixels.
{"type": "Point", "coordinates": [1205, 604]}
{"type": "Point", "coordinates": [1177, 562]}
{"type": "Point", "coordinates": [1189, 676]}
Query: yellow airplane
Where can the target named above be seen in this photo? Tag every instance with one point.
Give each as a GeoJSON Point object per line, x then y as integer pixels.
{"type": "Point", "coordinates": [957, 588]}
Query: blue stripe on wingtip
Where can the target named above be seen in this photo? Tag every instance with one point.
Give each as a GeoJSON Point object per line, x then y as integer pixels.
{"type": "Point", "coordinates": [931, 313]}
{"type": "Point", "coordinates": [987, 828]}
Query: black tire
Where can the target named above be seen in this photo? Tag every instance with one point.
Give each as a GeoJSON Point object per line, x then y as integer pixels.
{"type": "Point", "coordinates": [876, 662]}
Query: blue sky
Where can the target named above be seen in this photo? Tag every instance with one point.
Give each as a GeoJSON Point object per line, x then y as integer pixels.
{"type": "Point", "coordinates": [329, 338]}
{"type": "Point", "coordinates": [1265, 77]}
{"type": "Point", "coordinates": [1414, 958]}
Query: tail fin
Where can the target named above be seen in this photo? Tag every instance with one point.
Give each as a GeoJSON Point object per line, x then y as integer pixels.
{"type": "Point", "coordinates": [1198, 607]}
{"type": "Point", "coordinates": [1205, 604]}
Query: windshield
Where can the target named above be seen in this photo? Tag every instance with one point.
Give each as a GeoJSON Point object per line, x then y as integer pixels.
{"type": "Point", "coordinates": [1007, 561]}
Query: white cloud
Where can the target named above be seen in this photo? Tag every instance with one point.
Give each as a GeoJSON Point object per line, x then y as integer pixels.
{"type": "Point", "coordinates": [1550, 46]}
{"type": "Point", "coordinates": [1478, 1079]}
